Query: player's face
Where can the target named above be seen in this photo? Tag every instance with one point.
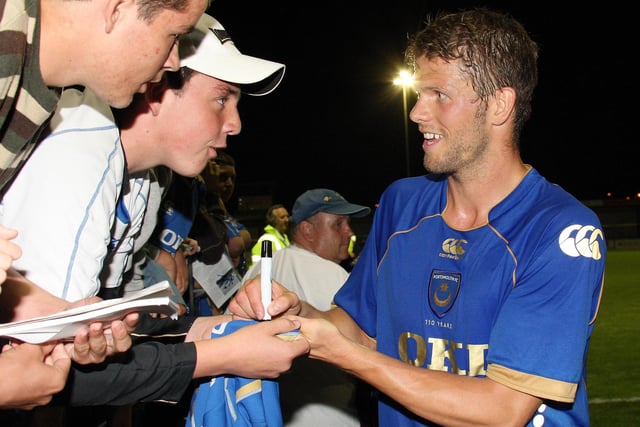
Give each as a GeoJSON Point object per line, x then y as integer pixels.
{"type": "Point", "coordinates": [331, 235]}
{"type": "Point", "coordinates": [138, 51]}
{"type": "Point", "coordinates": [450, 116]}
{"type": "Point", "coordinates": [197, 121]}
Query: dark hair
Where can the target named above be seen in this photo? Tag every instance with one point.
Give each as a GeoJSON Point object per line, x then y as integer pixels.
{"type": "Point", "coordinates": [223, 158]}
{"type": "Point", "coordinates": [176, 80]}
{"type": "Point", "coordinates": [171, 80]}
{"type": "Point", "coordinates": [149, 9]}
{"type": "Point", "coordinates": [494, 48]}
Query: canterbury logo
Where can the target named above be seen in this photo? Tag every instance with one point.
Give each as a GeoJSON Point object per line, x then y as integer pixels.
{"type": "Point", "coordinates": [453, 246]}
{"type": "Point", "coordinates": [581, 240]}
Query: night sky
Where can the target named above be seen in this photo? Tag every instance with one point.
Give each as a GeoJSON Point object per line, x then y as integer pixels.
{"type": "Point", "coordinates": [337, 121]}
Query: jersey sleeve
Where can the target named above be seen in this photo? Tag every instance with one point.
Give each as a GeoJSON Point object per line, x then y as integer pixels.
{"type": "Point", "coordinates": [544, 326]}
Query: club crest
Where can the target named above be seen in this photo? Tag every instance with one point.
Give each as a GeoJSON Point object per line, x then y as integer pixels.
{"type": "Point", "coordinates": [443, 291]}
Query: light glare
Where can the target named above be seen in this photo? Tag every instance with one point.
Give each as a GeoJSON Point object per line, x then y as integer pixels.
{"type": "Point", "coordinates": [405, 78]}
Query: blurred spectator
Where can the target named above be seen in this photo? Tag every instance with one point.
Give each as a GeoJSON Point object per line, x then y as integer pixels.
{"type": "Point", "coordinates": [277, 218]}
{"type": "Point", "coordinates": [219, 179]}
{"type": "Point", "coordinates": [348, 263]}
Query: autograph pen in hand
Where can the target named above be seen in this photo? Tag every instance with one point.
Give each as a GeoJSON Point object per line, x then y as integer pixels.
{"type": "Point", "coordinates": [265, 276]}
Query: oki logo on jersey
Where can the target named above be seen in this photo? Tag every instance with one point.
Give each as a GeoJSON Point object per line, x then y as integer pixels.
{"type": "Point", "coordinates": [581, 240]}
{"type": "Point", "coordinates": [443, 291]}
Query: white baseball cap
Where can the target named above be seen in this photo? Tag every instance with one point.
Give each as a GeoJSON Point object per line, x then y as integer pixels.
{"type": "Point", "coordinates": [208, 49]}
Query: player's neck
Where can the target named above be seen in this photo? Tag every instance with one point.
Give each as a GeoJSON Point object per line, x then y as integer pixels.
{"type": "Point", "coordinates": [470, 199]}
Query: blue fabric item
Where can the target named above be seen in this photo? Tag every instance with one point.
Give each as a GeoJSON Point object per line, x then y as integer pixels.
{"type": "Point", "coordinates": [204, 309]}
{"type": "Point", "coordinates": [176, 226]}
{"type": "Point", "coordinates": [231, 401]}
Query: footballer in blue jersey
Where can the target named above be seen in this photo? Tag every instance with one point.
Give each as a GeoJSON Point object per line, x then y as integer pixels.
{"type": "Point", "coordinates": [514, 299]}
{"type": "Point", "coordinates": [474, 298]}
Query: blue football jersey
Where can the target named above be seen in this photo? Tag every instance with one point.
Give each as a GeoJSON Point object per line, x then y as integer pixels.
{"type": "Point", "coordinates": [232, 401]}
{"type": "Point", "coordinates": [514, 300]}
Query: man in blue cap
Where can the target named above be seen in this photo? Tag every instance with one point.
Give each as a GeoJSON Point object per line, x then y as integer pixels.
{"type": "Point", "coordinates": [315, 393]}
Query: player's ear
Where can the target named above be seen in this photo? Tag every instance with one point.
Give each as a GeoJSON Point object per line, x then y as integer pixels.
{"type": "Point", "coordinates": [502, 105]}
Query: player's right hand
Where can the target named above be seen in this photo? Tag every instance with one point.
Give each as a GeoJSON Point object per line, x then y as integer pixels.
{"type": "Point", "coordinates": [247, 302]}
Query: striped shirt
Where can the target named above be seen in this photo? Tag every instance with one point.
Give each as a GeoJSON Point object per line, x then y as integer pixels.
{"type": "Point", "coordinates": [26, 102]}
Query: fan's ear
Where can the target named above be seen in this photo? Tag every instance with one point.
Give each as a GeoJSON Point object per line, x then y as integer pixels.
{"type": "Point", "coordinates": [114, 10]}
{"type": "Point", "coordinates": [154, 94]}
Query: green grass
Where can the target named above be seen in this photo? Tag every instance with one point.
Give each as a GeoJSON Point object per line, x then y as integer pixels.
{"type": "Point", "coordinates": [613, 370]}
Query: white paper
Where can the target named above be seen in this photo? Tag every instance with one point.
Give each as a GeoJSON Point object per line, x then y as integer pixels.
{"type": "Point", "coordinates": [220, 280]}
{"type": "Point", "coordinates": [64, 325]}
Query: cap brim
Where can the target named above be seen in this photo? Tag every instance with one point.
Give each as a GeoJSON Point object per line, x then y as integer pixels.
{"type": "Point", "coordinates": [356, 211]}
